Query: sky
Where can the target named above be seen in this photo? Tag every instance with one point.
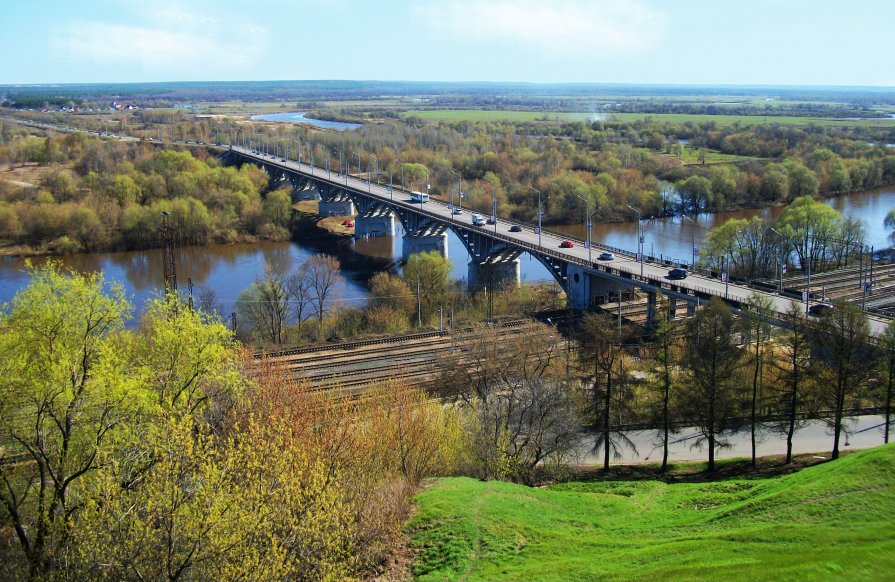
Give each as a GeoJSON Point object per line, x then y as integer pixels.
{"type": "Point", "coordinates": [709, 42]}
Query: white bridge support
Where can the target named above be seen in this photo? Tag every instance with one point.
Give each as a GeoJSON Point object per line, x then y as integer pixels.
{"type": "Point", "coordinates": [495, 275]}
{"type": "Point", "coordinates": [423, 242]}
{"type": "Point", "coordinates": [382, 224]}
{"type": "Point", "coordinates": [336, 207]}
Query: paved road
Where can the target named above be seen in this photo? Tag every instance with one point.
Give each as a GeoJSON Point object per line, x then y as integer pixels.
{"type": "Point", "coordinates": [864, 432]}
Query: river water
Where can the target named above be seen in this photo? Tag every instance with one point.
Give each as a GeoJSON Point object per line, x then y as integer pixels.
{"type": "Point", "coordinates": [229, 269]}
{"type": "Point", "coordinates": [299, 117]}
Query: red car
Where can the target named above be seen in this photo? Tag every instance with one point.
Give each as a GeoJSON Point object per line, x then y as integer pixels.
{"type": "Point", "coordinates": [566, 244]}
{"type": "Point", "coordinates": [348, 223]}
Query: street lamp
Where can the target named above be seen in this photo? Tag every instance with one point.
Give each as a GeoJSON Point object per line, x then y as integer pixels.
{"type": "Point", "coordinates": [780, 266]}
{"type": "Point", "coordinates": [639, 239]}
{"type": "Point", "coordinates": [692, 240]}
{"type": "Point", "coordinates": [402, 174]}
{"type": "Point", "coordinates": [459, 190]}
{"type": "Point", "coordinates": [587, 216]}
{"type": "Point", "coordinates": [358, 164]}
{"type": "Point", "coordinates": [540, 213]}
{"type": "Point", "coordinates": [493, 201]}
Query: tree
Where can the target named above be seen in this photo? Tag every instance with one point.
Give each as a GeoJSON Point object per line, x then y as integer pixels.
{"type": "Point", "coordinates": [517, 404]}
{"type": "Point", "coordinates": [888, 376]}
{"type": "Point", "coordinates": [841, 339]}
{"type": "Point", "coordinates": [710, 362]}
{"type": "Point", "coordinates": [429, 274]}
{"type": "Point", "coordinates": [602, 345]}
{"type": "Point", "coordinates": [323, 280]}
{"type": "Point", "coordinates": [812, 227]}
{"type": "Point", "coordinates": [889, 222]}
{"type": "Point", "coordinates": [59, 402]}
{"type": "Point", "coordinates": [277, 208]}
{"type": "Point", "coordinates": [299, 285]}
{"type": "Point", "coordinates": [698, 190]}
{"type": "Point", "coordinates": [266, 305]}
{"type": "Point", "coordinates": [757, 327]}
{"type": "Point", "coordinates": [665, 354]}
{"type": "Point", "coordinates": [793, 371]}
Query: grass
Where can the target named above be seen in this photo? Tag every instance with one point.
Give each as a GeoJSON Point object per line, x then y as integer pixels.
{"type": "Point", "coordinates": [834, 520]}
{"type": "Point", "coordinates": [488, 115]}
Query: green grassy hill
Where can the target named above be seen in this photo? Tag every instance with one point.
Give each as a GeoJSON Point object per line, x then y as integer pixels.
{"type": "Point", "coordinates": [831, 521]}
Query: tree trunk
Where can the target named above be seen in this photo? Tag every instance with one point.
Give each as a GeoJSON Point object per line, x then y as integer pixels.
{"type": "Point", "coordinates": [606, 402]}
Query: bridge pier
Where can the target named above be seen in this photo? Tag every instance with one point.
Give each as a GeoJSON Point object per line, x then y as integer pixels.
{"type": "Point", "coordinates": [336, 207]}
{"type": "Point", "coordinates": [422, 243]}
{"type": "Point", "coordinates": [650, 307]}
{"type": "Point", "coordinates": [585, 288]}
{"type": "Point", "coordinates": [493, 274]}
{"type": "Point", "coordinates": [299, 194]}
{"type": "Point", "coordinates": [672, 308]}
{"type": "Point", "coordinates": [375, 226]}
{"type": "Point", "coordinates": [691, 308]}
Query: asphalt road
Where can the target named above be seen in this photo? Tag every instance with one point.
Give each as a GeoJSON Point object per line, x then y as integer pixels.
{"type": "Point", "coordinates": [864, 432]}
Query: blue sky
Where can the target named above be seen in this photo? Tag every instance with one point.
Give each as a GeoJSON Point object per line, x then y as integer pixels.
{"type": "Point", "coordinates": [783, 42]}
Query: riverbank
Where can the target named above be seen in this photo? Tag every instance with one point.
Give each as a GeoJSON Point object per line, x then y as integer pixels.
{"type": "Point", "coordinates": [309, 212]}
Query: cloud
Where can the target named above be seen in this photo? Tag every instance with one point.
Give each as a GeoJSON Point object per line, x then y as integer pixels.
{"type": "Point", "coordinates": [560, 26]}
{"type": "Point", "coordinates": [164, 40]}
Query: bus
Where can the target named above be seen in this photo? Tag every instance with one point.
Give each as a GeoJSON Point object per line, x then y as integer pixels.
{"type": "Point", "coordinates": [419, 197]}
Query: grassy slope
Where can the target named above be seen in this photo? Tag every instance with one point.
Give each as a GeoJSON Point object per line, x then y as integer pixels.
{"type": "Point", "coordinates": [833, 520]}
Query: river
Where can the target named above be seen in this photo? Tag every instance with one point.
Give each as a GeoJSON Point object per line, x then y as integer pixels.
{"type": "Point", "coordinates": [229, 269]}
{"type": "Point", "coordinates": [300, 117]}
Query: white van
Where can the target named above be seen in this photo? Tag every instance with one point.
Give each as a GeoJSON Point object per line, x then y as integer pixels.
{"type": "Point", "coordinates": [478, 220]}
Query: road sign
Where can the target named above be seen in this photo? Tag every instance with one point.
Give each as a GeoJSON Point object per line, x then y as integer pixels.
{"type": "Point", "coordinates": [542, 213]}
{"type": "Point", "coordinates": [587, 244]}
{"type": "Point", "coordinates": [537, 230]}
{"type": "Point", "coordinates": [639, 257]}
{"type": "Point", "coordinates": [804, 297]}
{"type": "Point", "coordinates": [724, 277]}
{"type": "Point", "coordinates": [696, 251]}
{"type": "Point", "coordinates": [642, 239]}
{"type": "Point", "coordinates": [493, 218]}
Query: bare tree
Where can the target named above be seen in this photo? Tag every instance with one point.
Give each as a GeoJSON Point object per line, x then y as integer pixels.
{"type": "Point", "coordinates": [208, 301]}
{"type": "Point", "coordinates": [519, 410]}
{"type": "Point", "coordinates": [323, 281]}
{"type": "Point", "coordinates": [299, 286]}
{"type": "Point", "coordinates": [757, 327]}
{"type": "Point", "coordinates": [266, 305]}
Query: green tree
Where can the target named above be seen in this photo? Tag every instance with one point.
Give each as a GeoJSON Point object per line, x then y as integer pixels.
{"type": "Point", "coordinates": [60, 401]}
{"type": "Point", "coordinates": [428, 274]}
{"type": "Point", "coordinates": [842, 340]}
{"type": "Point", "coordinates": [710, 362]}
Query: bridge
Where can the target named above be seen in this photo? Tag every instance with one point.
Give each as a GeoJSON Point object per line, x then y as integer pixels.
{"type": "Point", "coordinates": [495, 249]}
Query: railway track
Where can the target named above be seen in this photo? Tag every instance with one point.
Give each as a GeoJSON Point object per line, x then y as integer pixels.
{"type": "Point", "coordinates": [349, 368]}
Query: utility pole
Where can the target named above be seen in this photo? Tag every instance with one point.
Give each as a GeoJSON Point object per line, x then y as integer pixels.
{"type": "Point", "coordinates": [419, 311]}
{"type": "Point", "coordinates": [170, 267]}
{"type": "Point", "coordinates": [189, 282]}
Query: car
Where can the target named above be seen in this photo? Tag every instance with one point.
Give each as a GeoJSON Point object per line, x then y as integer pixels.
{"type": "Point", "coordinates": [515, 228]}
{"type": "Point", "coordinates": [491, 220]}
{"type": "Point", "coordinates": [566, 244]}
{"type": "Point", "coordinates": [458, 211]}
{"type": "Point", "coordinates": [606, 256]}
{"type": "Point", "coordinates": [677, 274]}
{"type": "Point", "coordinates": [820, 309]}
{"type": "Point", "coordinates": [348, 223]}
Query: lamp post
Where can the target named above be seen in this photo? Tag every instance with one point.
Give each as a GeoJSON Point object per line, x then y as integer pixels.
{"type": "Point", "coordinates": [639, 239]}
{"type": "Point", "coordinates": [692, 240]}
{"type": "Point", "coordinates": [587, 216]}
{"type": "Point", "coordinates": [402, 174]}
{"type": "Point", "coordinates": [358, 164]}
{"type": "Point", "coordinates": [459, 191]}
{"type": "Point", "coordinates": [540, 213]}
{"type": "Point", "coordinates": [493, 201]}
{"type": "Point", "coordinates": [781, 264]}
